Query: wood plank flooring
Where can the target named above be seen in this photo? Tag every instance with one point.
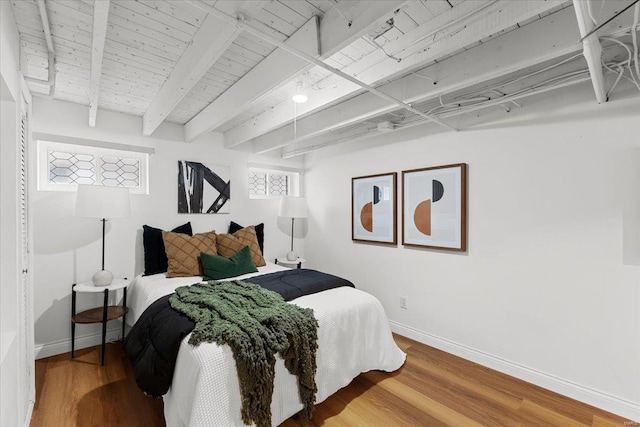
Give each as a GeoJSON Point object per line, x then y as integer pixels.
{"type": "Point", "coordinates": [433, 388]}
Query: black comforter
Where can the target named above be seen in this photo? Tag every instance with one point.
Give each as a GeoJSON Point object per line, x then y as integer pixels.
{"type": "Point", "coordinates": [153, 342]}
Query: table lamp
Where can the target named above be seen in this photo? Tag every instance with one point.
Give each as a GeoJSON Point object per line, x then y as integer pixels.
{"type": "Point", "coordinates": [98, 201]}
{"type": "Point", "coordinates": [292, 207]}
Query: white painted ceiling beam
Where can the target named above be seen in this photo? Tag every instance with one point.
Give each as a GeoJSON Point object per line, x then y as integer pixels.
{"type": "Point", "coordinates": [280, 66]}
{"type": "Point", "coordinates": [546, 39]}
{"type": "Point", "coordinates": [210, 41]}
{"type": "Point", "coordinates": [268, 73]}
{"type": "Point", "coordinates": [462, 25]}
{"type": "Point", "coordinates": [100, 17]}
{"type": "Point", "coordinates": [591, 48]}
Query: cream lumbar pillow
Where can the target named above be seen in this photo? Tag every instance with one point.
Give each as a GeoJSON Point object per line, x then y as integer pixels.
{"type": "Point", "coordinates": [183, 252]}
{"type": "Point", "coordinates": [230, 244]}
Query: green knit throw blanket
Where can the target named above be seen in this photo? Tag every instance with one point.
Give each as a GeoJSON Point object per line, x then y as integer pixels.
{"type": "Point", "coordinates": [256, 323]}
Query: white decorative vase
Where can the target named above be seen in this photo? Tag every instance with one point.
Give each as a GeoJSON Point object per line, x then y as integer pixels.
{"type": "Point", "coordinates": [102, 278]}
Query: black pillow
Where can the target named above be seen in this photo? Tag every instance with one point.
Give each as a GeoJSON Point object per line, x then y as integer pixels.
{"type": "Point", "coordinates": [234, 226]}
{"type": "Point", "coordinates": [155, 258]}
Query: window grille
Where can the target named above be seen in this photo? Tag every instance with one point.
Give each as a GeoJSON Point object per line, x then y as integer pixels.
{"type": "Point", "coordinates": [279, 184]}
{"type": "Point", "coordinates": [258, 184]}
{"type": "Point", "coordinates": [62, 167]}
{"type": "Point", "coordinates": [120, 172]}
{"type": "Point", "coordinates": [71, 168]}
{"type": "Point", "coordinates": [265, 183]}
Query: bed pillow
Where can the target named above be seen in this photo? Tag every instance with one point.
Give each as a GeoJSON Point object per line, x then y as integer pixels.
{"type": "Point", "coordinates": [215, 267]}
{"type": "Point", "coordinates": [183, 252]}
{"type": "Point", "coordinates": [234, 226]}
{"type": "Point", "coordinates": [155, 258]}
{"type": "Point", "coordinates": [230, 244]}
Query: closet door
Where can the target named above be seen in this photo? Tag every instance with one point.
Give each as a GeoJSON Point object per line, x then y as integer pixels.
{"type": "Point", "coordinates": [25, 294]}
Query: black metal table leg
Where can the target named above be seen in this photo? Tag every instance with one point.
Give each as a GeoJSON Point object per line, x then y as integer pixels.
{"type": "Point", "coordinates": [124, 318]}
{"type": "Point", "coordinates": [73, 324]}
{"type": "Point", "coordinates": [104, 321]}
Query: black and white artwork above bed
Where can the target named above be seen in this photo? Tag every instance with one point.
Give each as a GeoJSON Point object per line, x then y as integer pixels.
{"type": "Point", "coordinates": [203, 188]}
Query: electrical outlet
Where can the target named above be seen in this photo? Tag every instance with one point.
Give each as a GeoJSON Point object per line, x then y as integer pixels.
{"type": "Point", "coordinates": [403, 302]}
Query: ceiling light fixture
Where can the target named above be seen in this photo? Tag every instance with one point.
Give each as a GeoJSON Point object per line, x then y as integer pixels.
{"type": "Point", "coordinates": [299, 97]}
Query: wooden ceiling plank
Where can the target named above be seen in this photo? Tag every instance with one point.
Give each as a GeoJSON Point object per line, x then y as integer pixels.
{"type": "Point", "coordinates": [248, 43]}
{"type": "Point", "coordinates": [306, 9]}
{"type": "Point", "coordinates": [231, 67]}
{"type": "Point", "coordinates": [403, 22]}
{"type": "Point", "coordinates": [276, 22]}
{"type": "Point", "coordinates": [378, 67]}
{"type": "Point", "coordinates": [209, 43]}
{"type": "Point", "coordinates": [147, 35]}
{"type": "Point", "coordinates": [362, 45]}
{"type": "Point", "coordinates": [136, 9]}
{"type": "Point", "coordinates": [323, 5]}
{"type": "Point", "coordinates": [100, 17]}
{"type": "Point", "coordinates": [242, 51]}
{"type": "Point", "coordinates": [172, 9]}
{"type": "Point", "coordinates": [334, 35]}
{"type": "Point", "coordinates": [141, 59]}
{"type": "Point", "coordinates": [418, 13]}
{"type": "Point", "coordinates": [141, 76]}
{"type": "Point", "coordinates": [287, 14]}
{"type": "Point", "coordinates": [238, 57]}
{"type": "Point", "coordinates": [144, 23]}
{"type": "Point", "coordinates": [70, 11]}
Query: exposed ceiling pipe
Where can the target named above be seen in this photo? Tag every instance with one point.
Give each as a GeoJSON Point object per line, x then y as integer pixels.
{"type": "Point", "coordinates": [240, 23]}
{"type": "Point", "coordinates": [398, 127]}
{"type": "Point", "coordinates": [51, 80]}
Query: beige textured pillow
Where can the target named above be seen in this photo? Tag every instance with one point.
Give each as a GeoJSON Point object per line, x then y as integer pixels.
{"type": "Point", "coordinates": [230, 244]}
{"type": "Point", "coordinates": [183, 252]}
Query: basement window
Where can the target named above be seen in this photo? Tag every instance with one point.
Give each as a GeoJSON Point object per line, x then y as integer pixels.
{"type": "Point", "coordinates": [62, 167]}
{"type": "Point", "coordinates": [265, 183]}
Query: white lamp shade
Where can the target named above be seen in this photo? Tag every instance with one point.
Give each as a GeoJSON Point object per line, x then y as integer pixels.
{"type": "Point", "coordinates": [293, 207]}
{"type": "Point", "coordinates": [97, 201]}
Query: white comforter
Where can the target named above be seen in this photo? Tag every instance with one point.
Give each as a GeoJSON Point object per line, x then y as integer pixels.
{"type": "Point", "coordinates": [353, 337]}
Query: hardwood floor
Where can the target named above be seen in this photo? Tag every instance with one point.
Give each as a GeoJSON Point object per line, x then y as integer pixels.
{"type": "Point", "coordinates": [433, 388]}
{"type": "Point", "coordinates": [79, 392]}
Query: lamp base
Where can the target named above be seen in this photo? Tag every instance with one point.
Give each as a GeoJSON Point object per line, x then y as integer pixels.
{"type": "Point", "coordinates": [102, 278]}
{"type": "Point", "coordinates": [291, 256]}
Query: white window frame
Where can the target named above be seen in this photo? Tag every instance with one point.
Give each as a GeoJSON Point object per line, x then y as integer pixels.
{"type": "Point", "coordinates": [294, 176]}
{"type": "Point", "coordinates": [45, 147]}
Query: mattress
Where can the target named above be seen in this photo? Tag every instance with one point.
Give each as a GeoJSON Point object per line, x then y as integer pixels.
{"type": "Point", "coordinates": [353, 337]}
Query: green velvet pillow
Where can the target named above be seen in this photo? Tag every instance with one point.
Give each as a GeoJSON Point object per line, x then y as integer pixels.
{"type": "Point", "coordinates": [218, 267]}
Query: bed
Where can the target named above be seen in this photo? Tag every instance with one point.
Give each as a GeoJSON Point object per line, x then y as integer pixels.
{"type": "Point", "coordinates": [353, 337]}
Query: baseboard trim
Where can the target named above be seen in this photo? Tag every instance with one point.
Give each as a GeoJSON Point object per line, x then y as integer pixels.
{"type": "Point", "coordinates": [605, 401]}
{"type": "Point", "coordinates": [27, 420]}
{"type": "Point", "coordinates": [82, 341]}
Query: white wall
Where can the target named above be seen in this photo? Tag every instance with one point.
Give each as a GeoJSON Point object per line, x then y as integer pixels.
{"type": "Point", "coordinates": [550, 285]}
{"type": "Point", "coordinates": [68, 248]}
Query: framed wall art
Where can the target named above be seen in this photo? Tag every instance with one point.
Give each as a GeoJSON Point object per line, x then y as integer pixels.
{"type": "Point", "coordinates": [373, 208]}
{"type": "Point", "coordinates": [434, 207]}
{"type": "Point", "coordinates": [203, 188]}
